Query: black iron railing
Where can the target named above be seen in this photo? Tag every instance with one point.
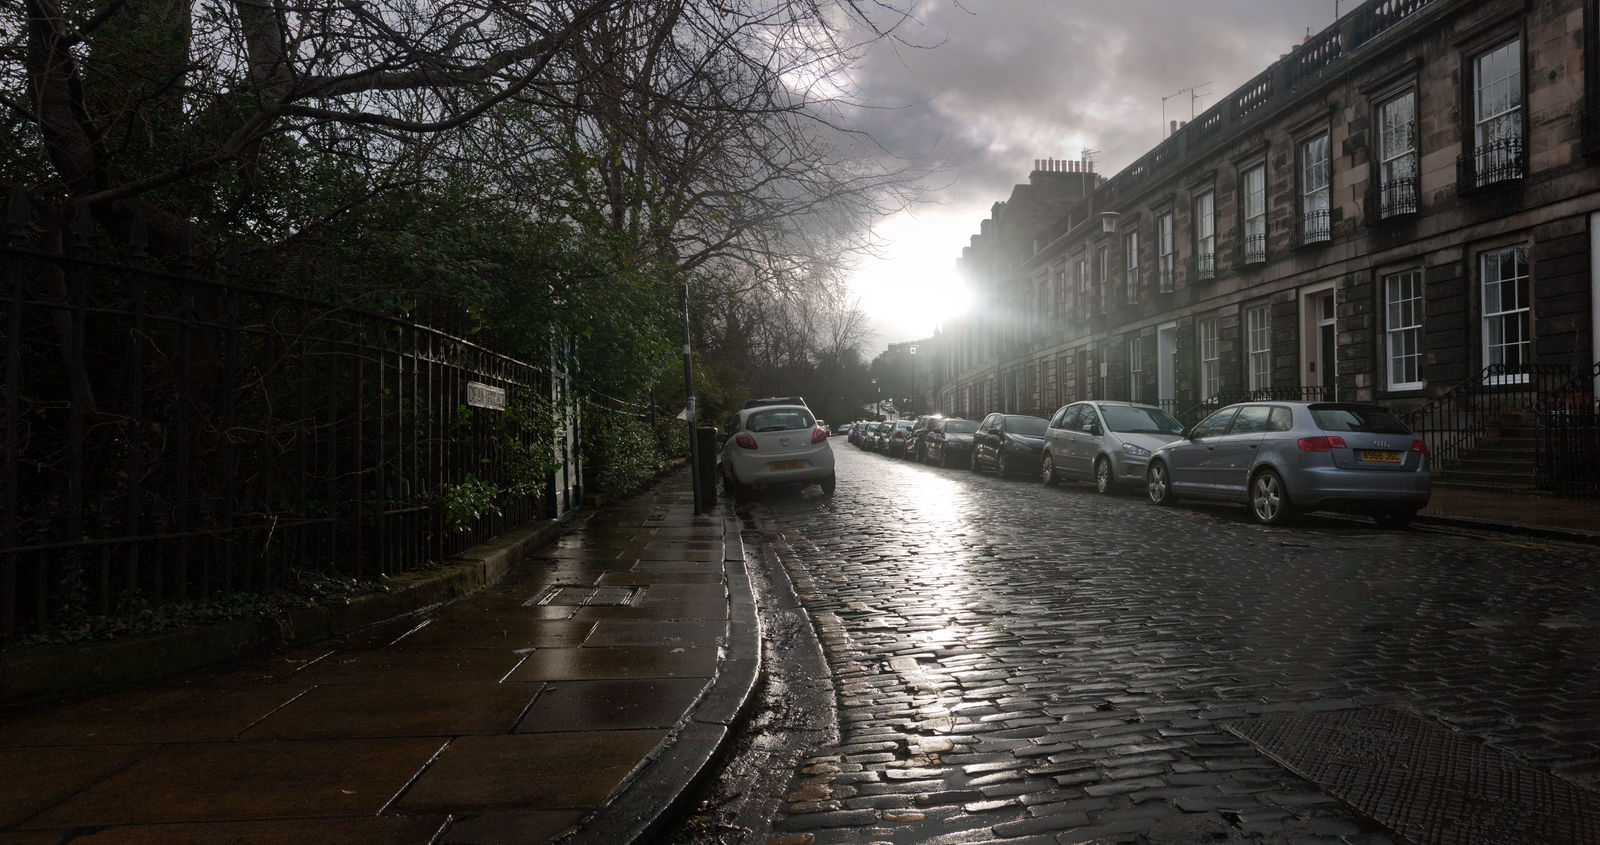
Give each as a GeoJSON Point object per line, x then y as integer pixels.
{"type": "Point", "coordinates": [1497, 161]}
{"type": "Point", "coordinates": [1456, 420]}
{"type": "Point", "coordinates": [1254, 249]}
{"type": "Point", "coordinates": [1391, 199]}
{"type": "Point", "coordinates": [1567, 454]}
{"type": "Point", "coordinates": [172, 437]}
{"type": "Point", "coordinates": [1313, 227]}
{"type": "Point", "coordinates": [1205, 266]}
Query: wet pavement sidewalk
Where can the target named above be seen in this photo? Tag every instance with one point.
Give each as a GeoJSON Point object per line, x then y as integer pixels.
{"type": "Point", "coordinates": [1554, 517]}
{"type": "Point", "coordinates": [575, 699]}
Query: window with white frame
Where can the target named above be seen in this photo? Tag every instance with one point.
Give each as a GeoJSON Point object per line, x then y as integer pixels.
{"type": "Point", "coordinates": [1061, 294]}
{"type": "Point", "coordinates": [1103, 256]}
{"type": "Point", "coordinates": [1254, 189]}
{"type": "Point", "coordinates": [1135, 366]}
{"type": "Point", "coordinates": [1258, 340]}
{"type": "Point", "coordinates": [1315, 222]}
{"type": "Point", "coordinates": [1210, 360]}
{"type": "Point", "coordinates": [1397, 155]}
{"type": "Point", "coordinates": [1130, 266]}
{"type": "Point", "coordinates": [1402, 305]}
{"type": "Point", "coordinates": [1506, 312]}
{"type": "Point", "coordinates": [1083, 275]}
{"type": "Point", "coordinates": [1166, 258]}
{"type": "Point", "coordinates": [1205, 235]}
{"type": "Point", "coordinates": [1497, 113]}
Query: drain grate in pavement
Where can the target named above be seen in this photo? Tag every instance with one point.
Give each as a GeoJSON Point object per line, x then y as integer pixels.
{"type": "Point", "coordinates": [1424, 782]}
{"type": "Point", "coordinates": [587, 596]}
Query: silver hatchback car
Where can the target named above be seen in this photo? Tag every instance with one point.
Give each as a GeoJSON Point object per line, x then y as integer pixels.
{"type": "Point", "coordinates": [1108, 443]}
{"type": "Point", "coordinates": [1284, 457]}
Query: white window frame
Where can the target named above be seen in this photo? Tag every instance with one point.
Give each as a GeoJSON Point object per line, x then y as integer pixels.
{"type": "Point", "coordinates": [1402, 306]}
{"type": "Point", "coordinates": [1496, 107]}
{"type": "Point", "coordinates": [1103, 256]}
{"type": "Point", "coordinates": [1316, 225]}
{"type": "Point", "coordinates": [1258, 345]}
{"type": "Point", "coordinates": [1254, 194]}
{"type": "Point", "coordinates": [1205, 235]}
{"type": "Point", "coordinates": [1506, 323]}
{"type": "Point", "coordinates": [1397, 154]}
{"type": "Point", "coordinates": [1130, 245]}
{"type": "Point", "coordinates": [1166, 256]}
{"type": "Point", "coordinates": [1135, 366]}
{"type": "Point", "coordinates": [1210, 359]}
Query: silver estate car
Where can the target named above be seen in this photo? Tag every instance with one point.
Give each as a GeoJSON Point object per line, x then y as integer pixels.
{"type": "Point", "coordinates": [1284, 457]}
{"type": "Point", "coordinates": [1108, 443]}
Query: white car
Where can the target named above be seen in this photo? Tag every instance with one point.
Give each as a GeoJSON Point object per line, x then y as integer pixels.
{"type": "Point", "coordinates": [775, 444]}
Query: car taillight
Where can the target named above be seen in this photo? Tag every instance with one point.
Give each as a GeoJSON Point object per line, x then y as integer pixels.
{"type": "Point", "coordinates": [746, 441]}
{"type": "Point", "coordinates": [1322, 444]}
{"type": "Point", "coordinates": [1419, 446]}
{"type": "Point", "coordinates": [818, 435]}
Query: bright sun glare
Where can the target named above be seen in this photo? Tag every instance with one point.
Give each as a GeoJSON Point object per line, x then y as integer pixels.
{"type": "Point", "coordinates": [913, 288]}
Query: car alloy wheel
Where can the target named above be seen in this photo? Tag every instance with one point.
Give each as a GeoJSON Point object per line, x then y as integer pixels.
{"type": "Point", "coordinates": [1047, 473]}
{"type": "Point", "coordinates": [1002, 465]}
{"type": "Point", "coordinates": [1103, 480]}
{"type": "Point", "coordinates": [1269, 502]}
{"type": "Point", "coordinates": [1158, 484]}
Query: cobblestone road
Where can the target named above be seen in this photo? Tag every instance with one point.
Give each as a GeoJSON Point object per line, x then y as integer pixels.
{"type": "Point", "coordinates": [1020, 663]}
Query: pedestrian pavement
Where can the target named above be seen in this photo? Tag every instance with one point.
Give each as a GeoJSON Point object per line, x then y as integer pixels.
{"type": "Point", "coordinates": [1514, 511]}
{"type": "Point", "coordinates": [577, 699]}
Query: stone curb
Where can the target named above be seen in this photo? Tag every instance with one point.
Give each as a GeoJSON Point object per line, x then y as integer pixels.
{"type": "Point", "coordinates": [1548, 532]}
{"type": "Point", "coordinates": [42, 674]}
{"type": "Point", "coordinates": [654, 791]}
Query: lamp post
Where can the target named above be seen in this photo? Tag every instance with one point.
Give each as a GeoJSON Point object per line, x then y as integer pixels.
{"type": "Point", "coordinates": [878, 393]}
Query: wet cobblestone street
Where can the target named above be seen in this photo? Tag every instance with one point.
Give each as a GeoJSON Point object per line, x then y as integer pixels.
{"type": "Point", "coordinates": [1030, 664]}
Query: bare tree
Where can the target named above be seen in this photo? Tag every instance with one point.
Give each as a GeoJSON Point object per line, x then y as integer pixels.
{"type": "Point", "coordinates": [133, 107]}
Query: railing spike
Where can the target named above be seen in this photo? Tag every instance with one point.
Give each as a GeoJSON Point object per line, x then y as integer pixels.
{"type": "Point", "coordinates": [138, 231]}
{"type": "Point", "coordinates": [81, 229]}
{"type": "Point", "coordinates": [17, 212]}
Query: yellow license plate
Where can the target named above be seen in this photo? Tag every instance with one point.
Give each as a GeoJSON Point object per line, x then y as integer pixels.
{"type": "Point", "coordinates": [1380, 457]}
{"type": "Point", "coordinates": [783, 465]}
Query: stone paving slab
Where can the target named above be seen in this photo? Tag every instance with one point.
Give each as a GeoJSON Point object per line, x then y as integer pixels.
{"type": "Point", "coordinates": [491, 719]}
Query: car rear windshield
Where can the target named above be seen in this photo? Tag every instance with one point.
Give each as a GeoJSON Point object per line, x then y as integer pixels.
{"type": "Point", "coordinates": [960, 426]}
{"type": "Point", "coordinates": [1357, 418]}
{"type": "Point", "coordinates": [779, 419]}
{"type": "Point", "coordinates": [1027, 426]}
{"type": "Point", "coordinates": [1140, 420]}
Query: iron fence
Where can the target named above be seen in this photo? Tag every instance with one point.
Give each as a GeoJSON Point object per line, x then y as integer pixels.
{"type": "Point", "coordinates": [1567, 450]}
{"type": "Point", "coordinates": [1456, 421]}
{"type": "Point", "coordinates": [169, 437]}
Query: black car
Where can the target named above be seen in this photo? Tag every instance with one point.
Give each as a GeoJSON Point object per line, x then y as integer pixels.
{"type": "Point", "coordinates": [1009, 443]}
{"type": "Point", "coordinates": [949, 442]}
{"type": "Point", "coordinates": [917, 440]}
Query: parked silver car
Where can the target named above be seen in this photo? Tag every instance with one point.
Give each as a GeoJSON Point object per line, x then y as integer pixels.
{"type": "Point", "coordinates": [1284, 457]}
{"type": "Point", "coordinates": [1108, 443]}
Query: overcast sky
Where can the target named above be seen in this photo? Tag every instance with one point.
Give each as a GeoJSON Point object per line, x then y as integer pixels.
{"type": "Point", "coordinates": [1012, 81]}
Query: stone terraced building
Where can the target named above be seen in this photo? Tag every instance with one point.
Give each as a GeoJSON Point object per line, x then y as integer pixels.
{"type": "Point", "coordinates": [1403, 209]}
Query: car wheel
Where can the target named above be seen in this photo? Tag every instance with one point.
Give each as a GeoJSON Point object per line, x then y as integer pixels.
{"type": "Point", "coordinates": [1047, 472]}
{"type": "Point", "coordinates": [1158, 484]}
{"type": "Point", "coordinates": [1396, 518]}
{"type": "Point", "coordinates": [1269, 502]}
{"type": "Point", "coordinates": [828, 484]}
{"type": "Point", "coordinates": [974, 465]}
{"type": "Point", "coordinates": [1104, 481]}
{"type": "Point", "coordinates": [1002, 465]}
